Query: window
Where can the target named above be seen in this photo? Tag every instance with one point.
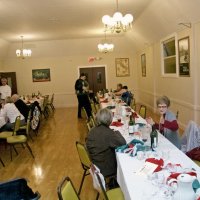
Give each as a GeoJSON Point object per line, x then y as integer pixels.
{"type": "Point", "coordinates": [169, 57]}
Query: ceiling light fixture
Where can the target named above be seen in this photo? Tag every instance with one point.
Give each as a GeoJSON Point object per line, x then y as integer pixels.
{"type": "Point", "coordinates": [117, 23]}
{"type": "Point", "coordinates": [23, 53]}
{"type": "Point", "coordinates": [105, 47]}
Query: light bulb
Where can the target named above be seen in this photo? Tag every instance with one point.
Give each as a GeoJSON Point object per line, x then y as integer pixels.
{"type": "Point", "coordinates": [117, 16]}
{"type": "Point", "coordinates": [129, 18]}
{"type": "Point", "coordinates": [18, 52]}
{"type": "Point", "coordinates": [106, 19]}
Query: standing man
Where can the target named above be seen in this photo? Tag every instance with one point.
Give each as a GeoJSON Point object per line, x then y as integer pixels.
{"type": "Point", "coordinates": [81, 87]}
{"type": "Point", "coordinates": [5, 89]}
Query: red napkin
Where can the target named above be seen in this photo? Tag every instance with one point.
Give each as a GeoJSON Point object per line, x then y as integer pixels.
{"type": "Point", "coordinates": [104, 101]}
{"type": "Point", "coordinates": [175, 175]}
{"type": "Point", "coordinates": [160, 163]}
{"type": "Point", "coordinates": [128, 109]}
{"type": "Point", "coordinates": [134, 114]}
{"type": "Point", "coordinates": [117, 124]}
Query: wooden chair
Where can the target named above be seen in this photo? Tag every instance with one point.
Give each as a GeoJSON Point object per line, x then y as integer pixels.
{"type": "Point", "coordinates": [44, 108]}
{"type": "Point", "coordinates": [143, 111]}
{"type": "Point", "coordinates": [66, 190]}
{"type": "Point", "coordinates": [17, 139]}
{"type": "Point", "coordinates": [50, 103]}
{"type": "Point", "coordinates": [133, 104]}
{"type": "Point", "coordinates": [2, 162]}
{"type": "Point", "coordinates": [85, 162]}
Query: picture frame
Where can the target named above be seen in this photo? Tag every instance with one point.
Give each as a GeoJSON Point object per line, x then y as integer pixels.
{"type": "Point", "coordinates": [122, 67]}
{"type": "Point", "coordinates": [41, 75]}
{"type": "Point", "coordinates": [143, 64]}
{"type": "Point", "coordinates": [184, 56]}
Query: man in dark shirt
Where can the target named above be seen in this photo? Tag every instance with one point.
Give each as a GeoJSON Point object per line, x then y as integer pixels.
{"type": "Point", "coordinates": [81, 87]}
{"type": "Point", "coordinates": [21, 106]}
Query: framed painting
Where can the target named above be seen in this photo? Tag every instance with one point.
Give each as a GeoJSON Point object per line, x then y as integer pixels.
{"type": "Point", "coordinates": [143, 65]}
{"type": "Point", "coordinates": [122, 67]}
{"type": "Point", "coordinates": [41, 75]}
{"type": "Point", "coordinates": [184, 56]}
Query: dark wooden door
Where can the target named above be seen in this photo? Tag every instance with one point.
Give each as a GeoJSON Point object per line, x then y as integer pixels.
{"type": "Point", "coordinates": [12, 82]}
{"type": "Point", "coordinates": [96, 77]}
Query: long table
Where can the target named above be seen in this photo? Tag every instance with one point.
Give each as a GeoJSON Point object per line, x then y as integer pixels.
{"type": "Point", "coordinates": [135, 186]}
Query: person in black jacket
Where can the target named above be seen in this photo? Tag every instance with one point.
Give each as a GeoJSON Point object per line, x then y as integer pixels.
{"type": "Point", "coordinates": [101, 143]}
{"type": "Point", "coordinates": [81, 87]}
{"type": "Point", "coordinates": [21, 106]}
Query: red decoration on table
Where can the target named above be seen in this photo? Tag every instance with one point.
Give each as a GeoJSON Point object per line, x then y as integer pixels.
{"type": "Point", "coordinates": [135, 115]}
{"type": "Point", "coordinates": [104, 101]}
{"type": "Point", "coordinates": [159, 162]}
{"type": "Point", "coordinates": [117, 124]}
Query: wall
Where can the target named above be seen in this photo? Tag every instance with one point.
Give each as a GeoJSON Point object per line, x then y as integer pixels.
{"type": "Point", "coordinates": [183, 91]}
{"type": "Point", "coordinates": [63, 58]}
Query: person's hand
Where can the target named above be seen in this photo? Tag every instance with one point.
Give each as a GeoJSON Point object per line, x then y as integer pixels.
{"type": "Point", "coordinates": [162, 119]}
{"type": "Point", "coordinates": [150, 121]}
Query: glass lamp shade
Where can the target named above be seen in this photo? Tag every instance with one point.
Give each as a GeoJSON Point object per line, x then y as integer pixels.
{"type": "Point", "coordinates": [117, 17]}
{"type": "Point", "coordinates": [18, 52]}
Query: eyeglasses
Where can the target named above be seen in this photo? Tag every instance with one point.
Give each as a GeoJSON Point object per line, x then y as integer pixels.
{"type": "Point", "coordinates": [162, 107]}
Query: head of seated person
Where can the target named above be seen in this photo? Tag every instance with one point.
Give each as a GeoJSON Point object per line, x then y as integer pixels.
{"type": "Point", "coordinates": [104, 117]}
{"type": "Point", "coordinates": [15, 97]}
{"type": "Point", "coordinates": [119, 87]}
{"type": "Point", "coordinates": [125, 88]}
{"type": "Point", "coordinates": [8, 100]}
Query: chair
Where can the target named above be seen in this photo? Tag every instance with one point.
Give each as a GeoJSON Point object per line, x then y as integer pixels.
{"type": "Point", "coordinates": [50, 103]}
{"type": "Point", "coordinates": [93, 107]}
{"type": "Point", "coordinates": [100, 186]}
{"type": "Point", "coordinates": [45, 108]}
{"type": "Point", "coordinates": [66, 190]}
{"type": "Point", "coordinates": [177, 114]}
{"type": "Point", "coordinates": [85, 113]}
{"type": "Point", "coordinates": [90, 123]}
{"type": "Point", "coordinates": [133, 104]}
{"type": "Point", "coordinates": [2, 162]}
{"type": "Point", "coordinates": [142, 111]}
{"type": "Point", "coordinates": [17, 189]}
{"type": "Point", "coordinates": [85, 162]}
{"type": "Point", "coordinates": [27, 126]}
{"type": "Point", "coordinates": [17, 139]}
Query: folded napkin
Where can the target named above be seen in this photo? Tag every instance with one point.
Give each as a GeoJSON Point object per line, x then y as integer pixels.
{"type": "Point", "coordinates": [117, 124]}
{"type": "Point", "coordinates": [104, 101]}
{"type": "Point", "coordinates": [158, 162]}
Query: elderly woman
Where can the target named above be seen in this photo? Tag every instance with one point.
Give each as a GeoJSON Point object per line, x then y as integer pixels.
{"type": "Point", "coordinates": [101, 143]}
{"type": "Point", "coordinates": [167, 125]}
{"type": "Point", "coordinates": [10, 112]}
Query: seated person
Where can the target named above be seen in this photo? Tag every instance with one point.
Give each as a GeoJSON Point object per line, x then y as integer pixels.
{"type": "Point", "coordinates": [101, 143]}
{"type": "Point", "coordinates": [167, 125]}
{"type": "Point", "coordinates": [10, 112]}
{"type": "Point", "coordinates": [126, 96]}
{"type": "Point", "coordinates": [119, 90]}
{"type": "Point", "coordinates": [21, 106]}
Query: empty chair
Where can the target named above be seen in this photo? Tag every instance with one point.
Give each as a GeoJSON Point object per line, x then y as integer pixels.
{"type": "Point", "coordinates": [45, 108]}
{"type": "Point", "coordinates": [17, 139]}
{"type": "Point", "coordinates": [66, 190]}
{"type": "Point", "coordinates": [16, 189]}
{"type": "Point", "coordinates": [85, 162]}
{"type": "Point", "coordinates": [100, 186]}
{"type": "Point", "coordinates": [2, 162]}
{"type": "Point", "coordinates": [133, 104]}
{"type": "Point", "coordinates": [93, 107]}
{"type": "Point", "coordinates": [50, 103]}
{"type": "Point", "coordinates": [142, 111]}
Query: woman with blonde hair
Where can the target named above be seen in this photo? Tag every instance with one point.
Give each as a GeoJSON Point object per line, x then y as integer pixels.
{"type": "Point", "coordinates": [9, 111]}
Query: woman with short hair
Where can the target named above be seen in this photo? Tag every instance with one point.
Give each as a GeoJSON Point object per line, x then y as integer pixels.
{"type": "Point", "coordinates": [167, 125]}
{"type": "Point", "coordinates": [10, 112]}
{"type": "Point", "coordinates": [101, 143]}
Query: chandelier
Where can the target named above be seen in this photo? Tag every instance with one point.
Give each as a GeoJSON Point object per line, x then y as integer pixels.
{"type": "Point", "coordinates": [105, 47]}
{"type": "Point", "coordinates": [117, 23]}
{"type": "Point", "coordinates": [23, 53]}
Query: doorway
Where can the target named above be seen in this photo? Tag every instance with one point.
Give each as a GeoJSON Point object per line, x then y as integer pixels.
{"type": "Point", "coordinates": [11, 76]}
{"type": "Point", "coordinates": [96, 77]}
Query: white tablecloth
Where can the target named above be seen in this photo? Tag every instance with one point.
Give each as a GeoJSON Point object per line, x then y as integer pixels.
{"type": "Point", "coordinates": [137, 187]}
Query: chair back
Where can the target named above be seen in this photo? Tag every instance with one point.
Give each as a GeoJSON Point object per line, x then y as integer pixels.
{"type": "Point", "coordinates": [85, 113]}
{"type": "Point", "coordinates": [16, 125]}
{"type": "Point", "coordinates": [45, 102]}
{"type": "Point", "coordinates": [83, 155]}
{"type": "Point", "coordinates": [66, 190]}
{"type": "Point", "coordinates": [28, 123]}
{"type": "Point", "coordinates": [52, 98]}
{"type": "Point", "coordinates": [142, 111]}
{"type": "Point", "coordinates": [93, 107]}
{"type": "Point", "coordinates": [177, 114]}
{"type": "Point", "coordinates": [133, 104]}
{"type": "Point", "coordinates": [90, 123]}
{"type": "Point", "coordinates": [98, 181]}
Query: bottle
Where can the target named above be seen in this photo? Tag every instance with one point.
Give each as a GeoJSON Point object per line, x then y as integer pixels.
{"type": "Point", "coordinates": [154, 137]}
{"type": "Point", "coordinates": [131, 125]}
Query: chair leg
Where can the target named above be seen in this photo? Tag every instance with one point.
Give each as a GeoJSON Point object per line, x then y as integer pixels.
{"type": "Point", "coordinates": [11, 152]}
{"type": "Point", "coordinates": [30, 150]}
{"type": "Point", "coordinates": [2, 162]}
{"type": "Point", "coordinates": [81, 185]}
{"type": "Point", "coordinates": [22, 146]}
{"type": "Point", "coordinates": [97, 197]}
{"type": "Point", "coordinates": [15, 149]}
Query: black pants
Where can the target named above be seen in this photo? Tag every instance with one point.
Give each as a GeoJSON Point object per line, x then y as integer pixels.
{"type": "Point", "coordinates": [83, 101]}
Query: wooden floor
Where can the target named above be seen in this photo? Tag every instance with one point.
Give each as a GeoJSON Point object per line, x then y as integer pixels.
{"type": "Point", "coordinates": [55, 156]}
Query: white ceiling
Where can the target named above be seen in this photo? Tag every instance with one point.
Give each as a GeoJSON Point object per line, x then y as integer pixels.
{"type": "Point", "coordinates": [65, 19]}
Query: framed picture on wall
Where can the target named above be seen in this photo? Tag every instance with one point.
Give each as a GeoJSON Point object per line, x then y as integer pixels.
{"type": "Point", "coordinates": [143, 65]}
{"type": "Point", "coordinates": [41, 75]}
{"type": "Point", "coordinates": [184, 56]}
{"type": "Point", "coordinates": [122, 67]}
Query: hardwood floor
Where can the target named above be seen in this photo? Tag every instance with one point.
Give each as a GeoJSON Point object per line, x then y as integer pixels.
{"type": "Point", "coordinates": [55, 156]}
